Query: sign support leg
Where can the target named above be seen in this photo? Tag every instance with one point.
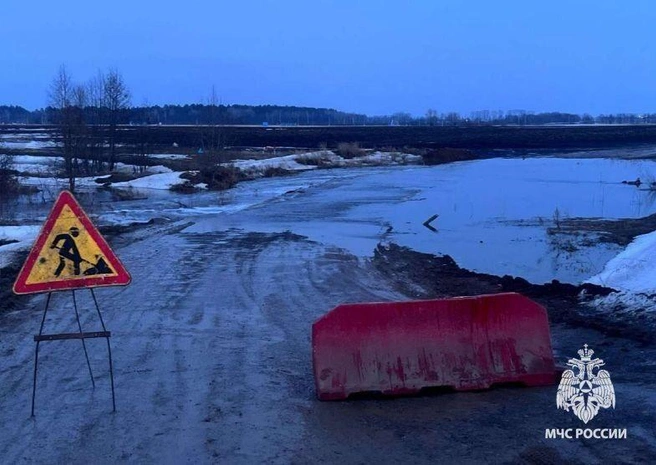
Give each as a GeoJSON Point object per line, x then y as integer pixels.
{"type": "Point", "coordinates": [36, 355]}
{"type": "Point", "coordinates": [109, 350]}
{"type": "Point", "coordinates": [84, 345]}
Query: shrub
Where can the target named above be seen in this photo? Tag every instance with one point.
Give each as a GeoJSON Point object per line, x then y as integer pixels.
{"type": "Point", "coordinates": [8, 177]}
{"type": "Point", "coordinates": [115, 177]}
{"type": "Point", "coordinates": [308, 161]}
{"type": "Point", "coordinates": [219, 177]}
{"type": "Point", "coordinates": [274, 171]}
{"type": "Point", "coordinates": [349, 149]}
{"type": "Point", "coordinates": [184, 188]}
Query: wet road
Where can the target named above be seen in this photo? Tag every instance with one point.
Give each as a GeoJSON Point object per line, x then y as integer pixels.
{"type": "Point", "coordinates": [211, 348]}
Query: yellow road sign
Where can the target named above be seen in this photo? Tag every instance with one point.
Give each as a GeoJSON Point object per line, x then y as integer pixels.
{"type": "Point", "coordinates": [69, 253]}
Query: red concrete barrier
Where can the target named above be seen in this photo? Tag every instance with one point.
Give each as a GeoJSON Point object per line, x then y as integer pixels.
{"type": "Point", "coordinates": [466, 343]}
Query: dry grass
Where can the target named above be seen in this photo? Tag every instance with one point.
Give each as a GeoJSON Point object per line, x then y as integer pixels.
{"type": "Point", "coordinates": [349, 150]}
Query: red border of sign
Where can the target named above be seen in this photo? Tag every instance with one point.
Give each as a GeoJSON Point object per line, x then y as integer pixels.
{"type": "Point", "coordinates": [122, 277]}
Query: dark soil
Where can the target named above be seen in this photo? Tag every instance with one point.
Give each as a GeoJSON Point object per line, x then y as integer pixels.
{"type": "Point", "coordinates": [10, 301]}
{"type": "Point", "coordinates": [448, 155]}
{"type": "Point", "coordinates": [118, 229]}
{"type": "Point", "coordinates": [186, 187]}
{"type": "Point", "coordinates": [479, 138]}
{"type": "Point", "coordinates": [426, 276]}
{"type": "Point", "coordinates": [216, 177]}
{"type": "Point", "coordinates": [275, 171]}
{"type": "Point", "coordinates": [115, 177]}
{"type": "Point", "coordinates": [621, 231]}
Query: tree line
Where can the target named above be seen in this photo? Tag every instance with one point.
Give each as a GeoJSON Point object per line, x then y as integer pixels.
{"type": "Point", "coordinates": [203, 113]}
{"type": "Point", "coordinates": [206, 113]}
{"type": "Point", "coordinates": [87, 116]}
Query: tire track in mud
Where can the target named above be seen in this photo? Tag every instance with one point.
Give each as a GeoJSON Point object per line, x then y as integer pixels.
{"type": "Point", "coordinates": [143, 312]}
{"type": "Point", "coordinates": [211, 353]}
{"type": "Point", "coordinates": [276, 295]}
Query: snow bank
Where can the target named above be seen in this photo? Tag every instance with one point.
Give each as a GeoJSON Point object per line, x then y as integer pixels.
{"type": "Point", "coordinates": [20, 136]}
{"type": "Point", "coordinates": [384, 158]}
{"type": "Point", "coordinates": [634, 269]}
{"type": "Point", "coordinates": [329, 159]}
{"type": "Point", "coordinates": [25, 235]}
{"type": "Point", "coordinates": [32, 160]}
{"type": "Point", "coordinates": [324, 159]}
{"type": "Point", "coordinates": [633, 274]}
{"type": "Point", "coordinates": [287, 162]}
{"type": "Point", "coordinates": [18, 233]}
{"type": "Point", "coordinates": [27, 164]}
{"type": "Point", "coordinates": [161, 181]}
{"type": "Point", "coordinates": [168, 156]}
{"type": "Point", "coordinates": [50, 183]}
{"type": "Point", "coordinates": [161, 177]}
{"type": "Point", "coordinates": [40, 165]}
{"type": "Point", "coordinates": [32, 145]}
{"type": "Point", "coordinates": [131, 169]}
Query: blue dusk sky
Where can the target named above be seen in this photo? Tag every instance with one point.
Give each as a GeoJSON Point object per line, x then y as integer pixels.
{"type": "Point", "coordinates": [373, 57]}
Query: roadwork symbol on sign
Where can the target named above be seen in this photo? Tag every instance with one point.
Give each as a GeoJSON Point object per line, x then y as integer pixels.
{"type": "Point", "coordinates": [69, 253]}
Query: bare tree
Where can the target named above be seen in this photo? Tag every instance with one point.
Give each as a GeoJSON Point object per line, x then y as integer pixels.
{"type": "Point", "coordinates": [117, 99]}
{"type": "Point", "coordinates": [402, 118]}
{"type": "Point", "coordinates": [61, 96]}
{"type": "Point", "coordinates": [143, 142]}
{"type": "Point", "coordinates": [80, 139]}
{"type": "Point", "coordinates": [431, 117]}
{"type": "Point", "coordinates": [96, 118]}
{"type": "Point", "coordinates": [212, 133]}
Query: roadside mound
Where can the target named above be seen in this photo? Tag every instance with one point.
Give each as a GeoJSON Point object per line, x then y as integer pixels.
{"type": "Point", "coordinates": [425, 276]}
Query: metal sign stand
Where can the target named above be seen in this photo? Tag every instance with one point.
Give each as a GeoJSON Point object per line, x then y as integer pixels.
{"type": "Point", "coordinates": [79, 335]}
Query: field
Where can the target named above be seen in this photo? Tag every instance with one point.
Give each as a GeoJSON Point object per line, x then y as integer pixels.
{"type": "Point", "coordinates": [470, 137]}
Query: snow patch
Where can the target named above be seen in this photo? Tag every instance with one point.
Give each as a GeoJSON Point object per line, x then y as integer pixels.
{"type": "Point", "coordinates": [161, 181]}
{"type": "Point", "coordinates": [628, 303]}
{"type": "Point", "coordinates": [24, 235]}
{"type": "Point", "coordinates": [168, 156]}
{"type": "Point", "coordinates": [132, 169]}
{"type": "Point", "coordinates": [51, 183]}
{"type": "Point", "coordinates": [634, 269]}
{"type": "Point", "coordinates": [27, 164]}
{"type": "Point", "coordinates": [324, 159]}
{"type": "Point", "coordinates": [633, 273]}
{"type": "Point", "coordinates": [32, 160]}
{"type": "Point", "coordinates": [287, 162]}
{"type": "Point", "coordinates": [32, 145]}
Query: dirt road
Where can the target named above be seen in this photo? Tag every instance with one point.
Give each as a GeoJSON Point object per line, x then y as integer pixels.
{"type": "Point", "coordinates": [211, 348]}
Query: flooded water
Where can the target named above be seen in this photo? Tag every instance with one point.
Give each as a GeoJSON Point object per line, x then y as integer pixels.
{"type": "Point", "coordinates": [493, 214]}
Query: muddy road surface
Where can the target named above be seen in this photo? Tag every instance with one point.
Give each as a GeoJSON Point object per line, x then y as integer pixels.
{"type": "Point", "coordinates": [212, 357]}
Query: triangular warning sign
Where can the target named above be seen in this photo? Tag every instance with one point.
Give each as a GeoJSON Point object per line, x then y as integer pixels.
{"type": "Point", "coordinates": [69, 253]}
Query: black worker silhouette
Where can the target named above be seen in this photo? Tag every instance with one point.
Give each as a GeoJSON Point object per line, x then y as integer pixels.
{"type": "Point", "coordinates": [68, 251]}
